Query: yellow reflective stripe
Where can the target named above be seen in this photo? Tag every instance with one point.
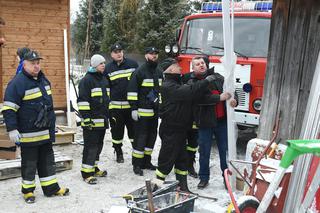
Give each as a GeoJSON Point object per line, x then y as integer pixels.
{"type": "Point", "coordinates": [132, 98]}
{"type": "Point", "coordinates": [148, 151]}
{"type": "Point", "coordinates": [32, 96]}
{"type": "Point", "coordinates": [86, 170]}
{"type": "Point", "coordinates": [28, 186]}
{"type": "Point", "coordinates": [96, 94]}
{"type": "Point", "coordinates": [84, 108]}
{"type": "Point", "coordinates": [189, 148]}
{"type": "Point", "coordinates": [112, 106]}
{"type": "Point", "coordinates": [160, 174]}
{"type": "Point", "coordinates": [49, 92]}
{"type": "Point", "coordinates": [137, 154]}
{"type": "Point", "coordinates": [49, 182]}
{"type": "Point", "coordinates": [147, 84]}
{"type": "Point", "coordinates": [194, 126]}
{"type": "Point", "coordinates": [125, 75]}
{"type": "Point", "coordinates": [180, 172]}
{"type": "Point", "coordinates": [34, 136]}
{"type": "Point", "coordinates": [117, 141]}
{"type": "Point", "coordinates": [146, 112]}
{"type": "Point", "coordinates": [8, 108]}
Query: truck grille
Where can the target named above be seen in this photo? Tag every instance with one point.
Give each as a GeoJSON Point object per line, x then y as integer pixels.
{"type": "Point", "coordinates": [243, 99]}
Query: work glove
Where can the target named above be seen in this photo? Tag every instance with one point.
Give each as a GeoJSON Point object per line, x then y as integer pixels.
{"type": "Point", "coordinates": [225, 96]}
{"type": "Point", "coordinates": [211, 78]}
{"type": "Point", "coordinates": [15, 136]}
{"type": "Point", "coordinates": [135, 115]}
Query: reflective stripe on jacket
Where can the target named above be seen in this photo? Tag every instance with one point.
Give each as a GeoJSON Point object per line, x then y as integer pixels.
{"type": "Point", "coordinates": [143, 90]}
{"type": "Point", "coordinates": [25, 98]}
{"type": "Point", "coordinates": [93, 101]}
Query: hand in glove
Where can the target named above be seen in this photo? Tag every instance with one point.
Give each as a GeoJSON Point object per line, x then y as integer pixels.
{"type": "Point", "coordinates": [15, 136]}
{"type": "Point", "coordinates": [135, 115]}
{"type": "Point", "coordinates": [211, 78]}
{"type": "Point", "coordinates": [225, 96]}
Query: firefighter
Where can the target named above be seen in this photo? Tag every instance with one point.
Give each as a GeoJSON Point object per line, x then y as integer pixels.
{"type": "Point", "coordinates": [93, 105]}
{"type": "Point", "coordinates": [176, 114]}
{"type": "Point", "coordinates": [144, 96]}
{"type": "Point", "coordinates": [118, 73]}
{"type": "Point", "coordinates": [30, 121]}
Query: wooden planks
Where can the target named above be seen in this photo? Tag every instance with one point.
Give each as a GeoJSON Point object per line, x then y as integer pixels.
{"type": "Point", "coordinates": [293, 50]}
{"type": "Point", "coordinates": [12, 168]}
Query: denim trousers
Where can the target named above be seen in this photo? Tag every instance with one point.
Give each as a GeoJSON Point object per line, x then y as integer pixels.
{"type": "Point", "coordinates": [205, 143]}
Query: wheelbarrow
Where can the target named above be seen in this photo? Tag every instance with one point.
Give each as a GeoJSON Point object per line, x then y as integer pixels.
{"type": "Point", "coordinates": [295, 148]}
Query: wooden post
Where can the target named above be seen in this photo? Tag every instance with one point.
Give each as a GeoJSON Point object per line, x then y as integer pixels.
{"type": "Point", "coordinates": [149, 194]}
{"type": "Point", "coordinates": [293, 49]}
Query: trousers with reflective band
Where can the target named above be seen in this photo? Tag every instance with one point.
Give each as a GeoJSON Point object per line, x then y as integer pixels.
{"type": "Point", "coordinates": [39, 158]}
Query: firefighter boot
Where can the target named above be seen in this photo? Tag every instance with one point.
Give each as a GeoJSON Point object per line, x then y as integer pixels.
{"type": "Point", "coordinates": [137, 170]}
{"type": "Point", "coordinates": [183, 183]}
{"type": "Point", "coordinates": [29, 197]}
{"type": "Point", "coordinates": [191, 170]}
{"type": "Point", "coordinates": [99, 173]}
{"type": "Point", "coordinates": [119, 154]}
{"type": "Point", "coordinates": [148, 164]}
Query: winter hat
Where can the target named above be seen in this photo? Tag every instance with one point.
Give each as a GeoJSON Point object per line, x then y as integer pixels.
{"type": "Point", "coordinates": [96, 60]}
{"type": "Point", "coordinates": [166, 63]}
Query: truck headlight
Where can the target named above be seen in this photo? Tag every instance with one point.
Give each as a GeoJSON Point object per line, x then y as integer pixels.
{"type": "Point", "coordinates": [257, 103]}
{"type": "Point", "coordinates": [167, 48]}
{"type": "Point", "coordinates": [175, 49]}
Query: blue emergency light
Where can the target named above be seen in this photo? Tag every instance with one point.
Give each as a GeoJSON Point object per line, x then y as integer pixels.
{"type": "Point", "coordinates": [209, 7]}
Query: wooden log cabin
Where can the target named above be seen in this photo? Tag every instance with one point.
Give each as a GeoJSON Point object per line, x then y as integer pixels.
{"type": "Point", "coordinates": [39, 25]}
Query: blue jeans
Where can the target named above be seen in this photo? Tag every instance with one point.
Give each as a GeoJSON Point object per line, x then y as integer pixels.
{"type": "Point", "coordinates": [205, 144]}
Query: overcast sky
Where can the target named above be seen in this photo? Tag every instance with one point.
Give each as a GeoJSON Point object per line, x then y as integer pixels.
{"type": "Point", "coordinates": [74, 7]}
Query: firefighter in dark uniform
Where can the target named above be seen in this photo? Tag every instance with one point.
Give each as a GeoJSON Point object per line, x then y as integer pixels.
{"type": "Point", "coordinates": [144, 96]}
{"type": "Point", "coordinates": [118, 73]}
{"type": "Point", "coordinates": [30, 121]}
{"type": "Point", "coordinates": [93, 105]}
{"type": "Point", "coordinates": [176, 114]}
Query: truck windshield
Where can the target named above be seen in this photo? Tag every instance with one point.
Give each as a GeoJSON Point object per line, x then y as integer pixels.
{"type": "Point", "coordinates": [251, 36]}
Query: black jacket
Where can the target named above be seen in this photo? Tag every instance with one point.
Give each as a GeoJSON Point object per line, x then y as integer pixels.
{"type": "Point", "coordinates": [119, 76]}
{"type": "Point", "coordinates": [143, 90]}
{"type": "Point", "coordinates": [28, 100]}
{"type": "Point", "coordinates": [176, 107]}
{"type": "Point", "coordinates": [204, 107]}
{"type": "Point", "coordinates": [93, 101]}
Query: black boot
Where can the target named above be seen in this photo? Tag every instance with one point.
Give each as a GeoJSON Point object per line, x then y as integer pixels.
{"type": "Point", "coordinates": [192, 172]}
{"type": "Point", "coordinates": [119, 154]}
{"type": "Point", "coordinates": [137, 170]}
{"type": "Point", "coordinates": [183, 183]}
{"type": "Point", "coordinates": [148, 164]}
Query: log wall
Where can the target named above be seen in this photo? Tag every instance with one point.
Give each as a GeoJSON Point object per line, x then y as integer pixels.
{"type": "Point", "coordinates": [38, 25]}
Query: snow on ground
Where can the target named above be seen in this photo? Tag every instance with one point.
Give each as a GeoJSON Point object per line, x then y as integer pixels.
{"type": "Point", "coordinates": [99, 198]}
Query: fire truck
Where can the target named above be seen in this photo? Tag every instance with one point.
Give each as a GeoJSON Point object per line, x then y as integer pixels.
{"type": "Point", "coordinates": [202, 34]}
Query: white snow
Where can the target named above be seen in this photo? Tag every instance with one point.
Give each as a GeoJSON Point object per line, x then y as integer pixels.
{"type": "Point", "coordinates": [120, 180]}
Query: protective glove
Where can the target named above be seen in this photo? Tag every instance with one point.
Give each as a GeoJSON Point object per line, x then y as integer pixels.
{"type": "Point", "coordinates": [211, 78]}
{"type": "Point", "coordinates": [135, 115]}
{"type": "Point", "coordinates": [225, 96]}
{"type": "Point", "coordinates": [15, 136]}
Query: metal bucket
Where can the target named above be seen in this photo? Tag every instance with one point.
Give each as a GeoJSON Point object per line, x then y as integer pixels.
{"type": "Point", "coordinates": [141, 193]}
{"type": "Point", "coordinates": [171, 202]}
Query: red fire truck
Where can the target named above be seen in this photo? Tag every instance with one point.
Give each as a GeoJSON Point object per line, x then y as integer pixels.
{"type": "Point", "coordinates": [202, 34]}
